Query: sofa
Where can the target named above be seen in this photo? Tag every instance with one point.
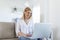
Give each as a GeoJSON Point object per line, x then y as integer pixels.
{"type": "Point", "coordinates": [7, 31]}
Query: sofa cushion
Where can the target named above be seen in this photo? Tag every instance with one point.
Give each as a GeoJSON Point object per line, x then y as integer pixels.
{"type": "Point", "coordinates": [10, 39]}
{"type": "Point", "coordinates": [7, 30]}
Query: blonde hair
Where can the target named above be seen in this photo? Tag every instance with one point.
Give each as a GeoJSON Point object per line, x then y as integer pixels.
{"type": "Point", "coordinates": [27, 9]}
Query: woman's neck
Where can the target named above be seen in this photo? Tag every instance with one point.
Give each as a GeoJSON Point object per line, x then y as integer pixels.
{"type": "Point", "coordinates": [26, 21]}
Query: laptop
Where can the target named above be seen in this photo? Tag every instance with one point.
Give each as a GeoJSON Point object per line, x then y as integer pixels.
{"type": "Point", "coordinates": [41, 30]}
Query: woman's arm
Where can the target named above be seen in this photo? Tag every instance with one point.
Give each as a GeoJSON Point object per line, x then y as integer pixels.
{"type": "Point", "coordinates": [24, 35]}
{"type": "Point", "coordinates": [21, 34]}
{"type": "Point", "coordinates": [18, 29]}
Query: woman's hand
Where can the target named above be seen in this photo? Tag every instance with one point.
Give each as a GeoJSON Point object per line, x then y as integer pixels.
{"type": "Point", "coordinates": [28, 35]}
{"type": "Point", "coordinates": [25, 35]}
{"type": "Point", "coordinates": [21, 34]}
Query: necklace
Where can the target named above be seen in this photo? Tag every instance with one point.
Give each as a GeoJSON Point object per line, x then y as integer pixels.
{"type": "Point", "coordinates": [26, 21]}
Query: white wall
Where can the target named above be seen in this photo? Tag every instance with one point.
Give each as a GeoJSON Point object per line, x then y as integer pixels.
{"type": "Point", "coordinates": [6, 9]}
{"type": "Point", "coordinates": [44, 15]}
{"type": "Point", "coordinates": [54, 17]}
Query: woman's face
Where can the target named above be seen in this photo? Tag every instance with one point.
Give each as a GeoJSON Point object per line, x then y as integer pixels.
{"type": "Point", "coordinates": [27, 14]}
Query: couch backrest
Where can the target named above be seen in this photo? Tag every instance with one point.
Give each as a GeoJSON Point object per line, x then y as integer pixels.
{"type": "Point", "coordinates": [7, 30]}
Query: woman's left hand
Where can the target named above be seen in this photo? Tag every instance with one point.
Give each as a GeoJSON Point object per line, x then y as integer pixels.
{"type": "Point", "coordinates": [28, 35]}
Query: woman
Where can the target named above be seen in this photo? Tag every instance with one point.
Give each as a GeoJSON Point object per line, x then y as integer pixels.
{"type": "Point", "coordinates": [24, 26]}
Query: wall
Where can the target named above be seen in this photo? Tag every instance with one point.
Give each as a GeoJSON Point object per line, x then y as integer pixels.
{"type": "Point", "coordinates": [6, 8]}
{"type": "Point", "coordinates": [44, 11]}
{"type": "Point", "coordinates": [54, 17]}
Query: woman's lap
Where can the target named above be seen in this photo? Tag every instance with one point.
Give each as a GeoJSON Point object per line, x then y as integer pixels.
{"type": "Point", "coordinates": [23, 38]}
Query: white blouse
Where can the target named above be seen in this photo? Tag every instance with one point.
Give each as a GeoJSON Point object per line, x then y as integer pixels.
{"type": "Point", "coordinates": [21, 26]}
